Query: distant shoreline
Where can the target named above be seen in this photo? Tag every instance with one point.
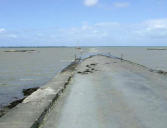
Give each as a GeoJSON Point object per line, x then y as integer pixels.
{"type": "Point", "coordinates": [156, 49]}
{"type": "Point", "coordinates": [70, 46]}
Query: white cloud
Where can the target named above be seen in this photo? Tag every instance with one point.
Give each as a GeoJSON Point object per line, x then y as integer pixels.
{"type": "Point", "coordinates": [121, 4]}
{"type": "Point", "coordinates": [156, 24]}
{"type": "Point", "coordinates": [2, 30]}
{"type": "Point", "coordinates": [112, 5]}
{"type": "Point", "coordinates": [153, 29]}
{"type": "Point", "coordinates": [12, 35]}
{"type": "Point", "coordinates": [146, 31]}
{"type": "Point", "coordinates": [6, 34]}
{"type": "Point", "coordinates": [111, 33]}
{"type": "Point", "coordinates": [90, 3]}
{"type": "Point", "coordinates": [106, 24]}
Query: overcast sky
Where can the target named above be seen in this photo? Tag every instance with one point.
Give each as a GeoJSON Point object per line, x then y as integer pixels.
{"type": "Point", "coordinates": [83, 22]}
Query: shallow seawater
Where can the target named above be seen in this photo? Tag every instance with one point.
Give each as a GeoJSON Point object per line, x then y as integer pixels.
{"type": "Point", "coordinates": [19, 70]}
{"type": "Point", "coordinates": [155, 59]}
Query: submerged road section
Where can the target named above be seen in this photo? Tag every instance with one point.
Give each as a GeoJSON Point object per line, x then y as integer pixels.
{"type": "Point", "coordinates": [100, 92]}
{"type": "Point", "coordinates": [109, 93]}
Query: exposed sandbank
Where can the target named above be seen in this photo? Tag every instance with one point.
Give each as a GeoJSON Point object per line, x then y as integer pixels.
{"type": "Point", "coordinates": [20, 50]}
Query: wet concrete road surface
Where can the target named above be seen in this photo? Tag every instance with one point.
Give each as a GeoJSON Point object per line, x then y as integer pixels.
{"type": "Point", "coordinates": [108, 93]}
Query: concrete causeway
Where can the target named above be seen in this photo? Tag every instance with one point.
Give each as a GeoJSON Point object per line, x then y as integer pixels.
{"type": "Point", "coordinates": [100, 92]}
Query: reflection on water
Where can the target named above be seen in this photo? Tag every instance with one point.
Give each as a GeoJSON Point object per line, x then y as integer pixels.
{"type": "Point", "coordinates": [19, 70]}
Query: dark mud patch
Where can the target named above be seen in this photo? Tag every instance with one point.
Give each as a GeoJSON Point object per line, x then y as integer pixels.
{"type": "Point", "coordinates": [90, 69]}
{"type": "Point", "coordinates": [91, 65]}
{"type": "Point", "coordinates": [87, 71]}
{"type": "Point", "coordinates": [20, 51]}
{"type": "Point", "coordinates": [26, 92]}
{"type": "Point", "coordinates": [29, 91]}
{"type": "Point", "coordinates": [94, 64]}
{"type": "Point", "coordinates": [159, 71]}
{"type": "Point", "coordinates": [88, 66]}
{"type": "Point", "coordinates": [15, 103]}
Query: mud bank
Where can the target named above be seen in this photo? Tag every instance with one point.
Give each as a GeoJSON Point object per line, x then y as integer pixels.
{"type": "Point", "coordinates": [21, 51]}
